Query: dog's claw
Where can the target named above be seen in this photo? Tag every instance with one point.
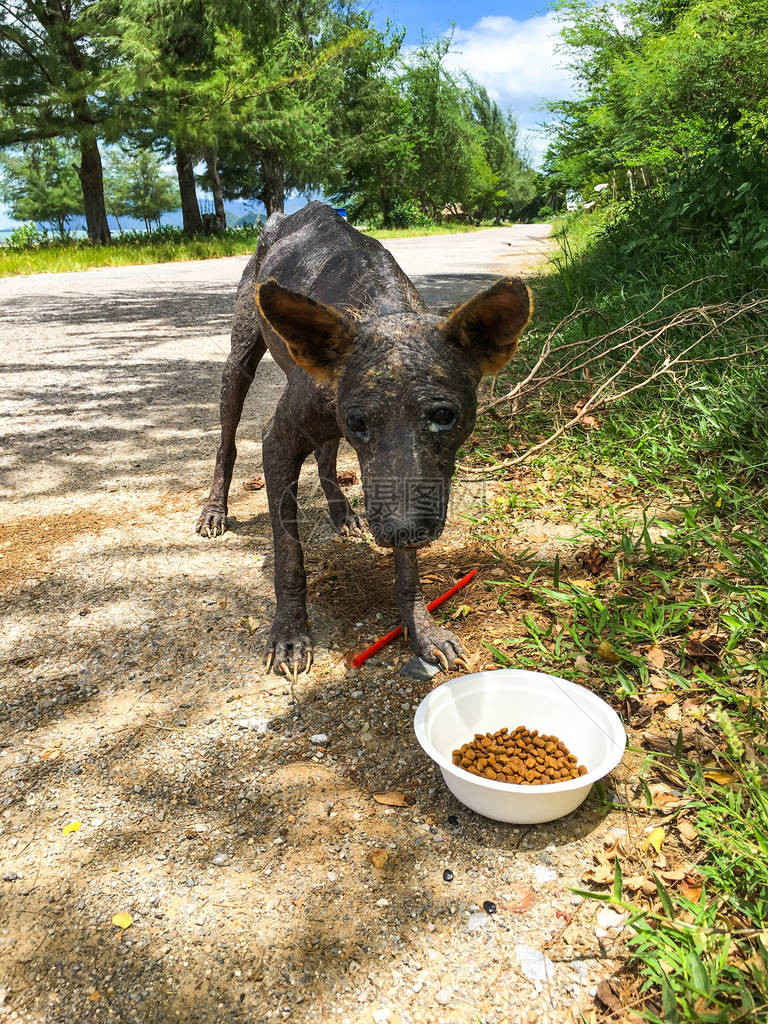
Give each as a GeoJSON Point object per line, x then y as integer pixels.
{"type": "Point", "coordinates": [269, 659]}
{"type": "Point", "coordinates": [441, 658]}
{"type": "Point", "coordinates": [309, 662]}
{"type": "Point", "coordinates": [295, 674]}
{"type": "Point", "coordinates": [406, 633]}
{"type": "Point", "coordinates": [463, 663]}
{"type": "Point", "coordinates": [284, 669]}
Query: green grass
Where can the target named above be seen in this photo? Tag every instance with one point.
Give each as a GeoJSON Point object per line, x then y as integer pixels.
{"type": "Point", "coordinates": [166, 246]}
{"type": "Point", "coordinates": [671, 494]}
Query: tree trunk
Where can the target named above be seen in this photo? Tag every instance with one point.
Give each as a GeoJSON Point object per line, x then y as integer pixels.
{"type": "Point", "coordinates": [190, 211]}
{"type": "Point", "coordinates": [92, 184]}
{"type": "Point", "coordinates": [218, 199]}
{"type": "Point", "coordinates": [273, 193]}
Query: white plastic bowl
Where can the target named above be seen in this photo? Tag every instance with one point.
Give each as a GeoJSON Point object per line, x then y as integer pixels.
{"type": "Point", "coordinates": [485, 702]}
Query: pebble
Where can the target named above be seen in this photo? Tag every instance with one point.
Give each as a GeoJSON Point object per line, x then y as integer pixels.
{"type": "Point", "coordinates": [444, 996]}
{"type": "Point", "coordinates": [477, 920]}
{"type": "Point", "coordinates": [220, 860]}
{"type": "Point", "coordinates": [489, 907]}
{"type": "Point", "coordinates": [319, 739]}
{"type": "Point", "coordinates": [607, 917]}
{"type": "Point", "coordinates": [257, 725]}
{"type": "Point", "coordinates": [447, 875]}
{"type": "Point", "coordinates": [10, 876]}
{"type": "Point", "coordinates": [535, 965]}
{"type": "Point", "coordinates": [417, 668]}
{"type": "Point", "coordinates": [544, 874]}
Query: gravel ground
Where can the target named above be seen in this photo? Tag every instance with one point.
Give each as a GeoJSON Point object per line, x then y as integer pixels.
{"type": "Point", "coordinates": [135, 704]}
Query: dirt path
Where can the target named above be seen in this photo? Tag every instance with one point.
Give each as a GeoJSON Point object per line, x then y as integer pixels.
{"type": "Point", "coordinates": [134, 702]}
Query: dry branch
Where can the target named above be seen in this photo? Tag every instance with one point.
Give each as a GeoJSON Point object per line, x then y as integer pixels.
{"type": "Point", "coordinates": [626, 359]}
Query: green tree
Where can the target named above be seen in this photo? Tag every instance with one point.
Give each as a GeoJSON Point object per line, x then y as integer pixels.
{"type": "Point", "coordinates": [40, 184]}
{"type": "Point", "coordinates": [137, 186]}
{"type": "Point", "coordinates": [508, 184]}
{"type": "Point", "coordinates": [52, 58]}
{"type": "Point", "coordinates": [662, 82]}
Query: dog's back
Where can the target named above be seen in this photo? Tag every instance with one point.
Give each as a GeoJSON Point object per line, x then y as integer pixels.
{"type": "Point", "coordinates": [316, 252]}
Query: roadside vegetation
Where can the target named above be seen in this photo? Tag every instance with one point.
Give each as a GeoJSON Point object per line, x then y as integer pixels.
{"type": "Point", "coordinates": [30, 251]}
{"type": "Point", "coordinates": [638, 411]}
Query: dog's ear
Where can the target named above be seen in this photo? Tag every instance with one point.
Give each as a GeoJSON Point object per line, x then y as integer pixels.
{"type": "Point", "coordinates": [489, 324]}
{"type": "Point", "coordinates": [316, 336]}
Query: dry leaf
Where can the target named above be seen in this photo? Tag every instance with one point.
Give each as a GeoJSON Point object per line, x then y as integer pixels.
{"type": "Point", "coordinates": [253, 485]}
{"type": "Point", "coordinates": [393, 798]}
{"type": "Point", "coordinates": [379, 858]}
{"type": "Point", "coordinates": [655, 656]}
{"type": "Point", "coordinates": [581, 664]}
{"type": "Point", "coordinates": [704, 644]}
{"type": "Point", "coordinates": [461, 612]}
{"type": "Point", "coordinates": [94, 996]}
{"type": "Point", "coordinates": [663, 796]}
{"type": "Point", "coordinates": [658, 682]}
{"type": "Point", "coordinates": [639, 883]}
{"type": "Point", "coordinates": [607, 653]}
{"type": "Point", "coordinates": [690, 887]}
{"type": "Point", "coordinates": [582, 584]}
{"type": "Point", "coordinates": [654, 699]}
{"type": "Point", "coordinates": [526, 900]}
{"type": "Point", "coordinates": [720, 777]}
{"type": "Point", "coordinates": [601, 875]}
{"type": "Point", "coordinates": [122, 921]}
{"type": "Point", "coordinates": [654, 838]}
{"type": "Point", "coordinates": [687, 830]}
{"type": "Point", "coordinates": [609, 994]}
{"type": "Point", "coordinates": [347, 477]}
{"type": "Point", "coordinates": [73, 826]}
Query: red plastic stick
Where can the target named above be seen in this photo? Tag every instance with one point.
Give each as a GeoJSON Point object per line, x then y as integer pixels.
{"type": "Point", "coordinates": [393, 634]}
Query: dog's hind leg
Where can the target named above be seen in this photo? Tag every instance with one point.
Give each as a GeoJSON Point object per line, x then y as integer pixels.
{"type": "Point", "coordinates": [345, 520]}
{"type": "Point", "coordinates": [236, 379]}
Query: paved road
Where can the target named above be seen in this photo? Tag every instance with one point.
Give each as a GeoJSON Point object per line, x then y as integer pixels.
{"type": "Point", "coordinates": [110, 377]}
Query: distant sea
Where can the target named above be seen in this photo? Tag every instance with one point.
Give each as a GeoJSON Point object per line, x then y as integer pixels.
{"type": "Point", "coordinates": [236, 211]}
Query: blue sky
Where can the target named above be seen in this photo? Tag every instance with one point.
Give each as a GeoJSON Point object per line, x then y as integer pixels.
{"type": "Point", "coordinates": [507, 47]}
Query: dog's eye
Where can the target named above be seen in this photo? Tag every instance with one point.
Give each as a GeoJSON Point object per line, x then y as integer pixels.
{"type": "Point", "coordinates": [356, 424]}
{"type": "Point", "coordinates": [441, 418]}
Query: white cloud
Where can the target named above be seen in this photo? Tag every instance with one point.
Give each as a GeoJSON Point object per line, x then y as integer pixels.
{"type": "Point", "coordinates": [517, 63]}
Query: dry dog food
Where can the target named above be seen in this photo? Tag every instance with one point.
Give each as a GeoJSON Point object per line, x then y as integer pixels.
{"type": "Point", "coordinates": [523, 756]}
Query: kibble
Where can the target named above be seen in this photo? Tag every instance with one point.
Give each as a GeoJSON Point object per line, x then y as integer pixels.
{"type": "Point", "coordinates": [520, 756]}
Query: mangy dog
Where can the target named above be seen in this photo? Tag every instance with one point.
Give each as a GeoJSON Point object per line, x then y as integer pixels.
{"type": "Point", "coordinates": [365, 360]}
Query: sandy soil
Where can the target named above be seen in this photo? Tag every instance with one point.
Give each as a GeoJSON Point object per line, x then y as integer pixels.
{"type": "Point", "coordinates": [135, 704]}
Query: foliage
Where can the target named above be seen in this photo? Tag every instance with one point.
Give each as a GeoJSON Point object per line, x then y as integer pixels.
{"type": "Point", "coordinates": [662, 81]}
{"type": "Point", "coordinates": [166, 244]}
{"type": "Point", "coordinates": [136, 186]}
{"type": "Point", "coordinates": [40, 184]}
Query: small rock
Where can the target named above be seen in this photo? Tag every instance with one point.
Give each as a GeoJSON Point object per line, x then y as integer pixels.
{"type": "Point", "coordinates": [417, 668]}
{"type": "Point", "coordinates": [607, 917]}
{"type": "Point", "coordinates": [220, 860]}
{"type": "Point", "coordinates": [319, 739]}
{"type": "Point", "coordinates": [477, 920]}
{"type": "Point", "coordinates": [10, 876]}
{"type": "Point", "coordinates": [489, 907]}
{"type": "Point", "coordinates": [444, 996]}
{"type": "Point", "coordinates": [380, 1016]}
{"type": "Point", "coordinates": [447, 875]}
{"type": "Point", "coordinates": [544, 874]}
{"type": "Point", "coordinates": [535, 965]}
{"type": "Point", "coordinates": [76, 769]}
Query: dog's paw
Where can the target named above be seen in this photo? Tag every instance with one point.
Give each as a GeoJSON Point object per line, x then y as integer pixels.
{"type": "Point", "coordinates": [212, 521]}
{"type": "Point", "coordinates": [289, 649]}
{"type": "Point", "coordinates": [438, 646]}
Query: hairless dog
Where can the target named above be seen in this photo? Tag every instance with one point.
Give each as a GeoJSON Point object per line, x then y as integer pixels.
{"type": "Point", "coordinates": [365, 360]}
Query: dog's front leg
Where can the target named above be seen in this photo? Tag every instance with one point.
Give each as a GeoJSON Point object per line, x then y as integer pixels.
{"type": "Point", "coordinates": [290, 645]}
{"type": "Point", "coordinates": [430, 641]}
